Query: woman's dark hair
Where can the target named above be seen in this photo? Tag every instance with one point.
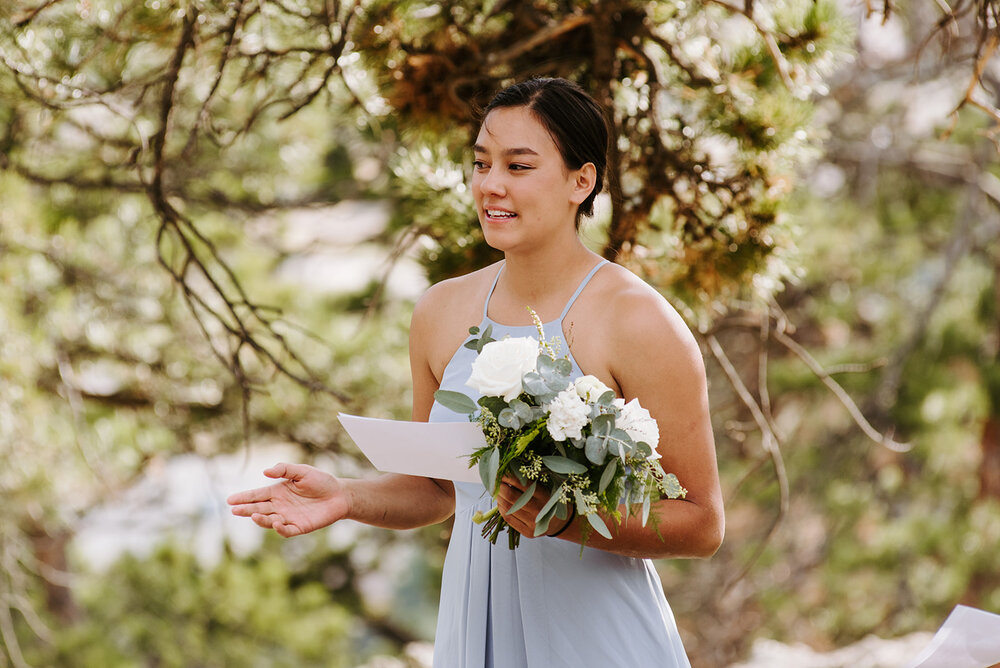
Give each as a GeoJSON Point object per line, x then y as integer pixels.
{"type": "Point", "coordinates": [573, 119]}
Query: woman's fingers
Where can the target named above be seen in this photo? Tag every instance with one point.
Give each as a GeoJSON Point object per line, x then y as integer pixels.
{"type": "Point", "coordinates": [250, 509]}
{"type": "Point", "coordinates": [267, 520]}
{"type": "Point", "coordinates": [293, 472]}
{"type": "Point", "coordinates": [250, 496]}
{"type": "Point", "coordinates": [523, 520]}
{"type": "Point", "coordinates": [286, 530]}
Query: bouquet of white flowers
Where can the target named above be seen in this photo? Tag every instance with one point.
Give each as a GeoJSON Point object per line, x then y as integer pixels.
{"type": "Point", "coordinates": [593, 451]}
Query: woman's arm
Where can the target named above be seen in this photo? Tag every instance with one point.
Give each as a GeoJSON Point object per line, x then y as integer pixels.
{"type": "Point", "coordinates": [306, 499]}
{"type": "Point", "coordinates": [396, 501]}
{"type": "Point", "coordinates": [653, 356]}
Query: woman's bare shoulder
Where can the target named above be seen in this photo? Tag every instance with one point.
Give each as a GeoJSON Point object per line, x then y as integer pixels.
{"type": "Point", "coordinates": [638, 312]}
{"type": "Point", "coordinates": [456, 293]}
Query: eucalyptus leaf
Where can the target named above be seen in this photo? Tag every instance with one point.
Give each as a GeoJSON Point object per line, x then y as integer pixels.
{"type": "Point", "coordinates": [547, 512]}
{"type": "Point", "coordinates": [545, 364]}
{"type": "Point", "coordinates": [523, 411]}
{"type": "Point", "coordinates": [607, 398]}
{"type": "Point", "coordinates": [645, 510]}
{"type": "Point", "coordinates": [603, 425]}
{"type": "Point", "coordinates": [564, 366]}
{"type": "Point", "coordinates": [563, 465]}
{"type": "Point", "coordinates": [456, 401]}
{"type": "Point", "coordinates": [552, 375]}
{"type": "Point", "coordinates": [489, 464]}
{"type": "Point", "coordinates": [607, 476]}
{"type": "Point", "coordinates": [596, 449]}
{"type": "Point", "coordinates": [673, 487]}
{"type": "Point", "coordinates": [598, 524]}
{"type": "Point", "coordinates": [622, 436]}
{"type": "Point", "coordinates": [509, 419]}
{"type": "Point", "coordinates": [523, 499]}
{"type": "Point", "coordinates": [535, 385]}
{"type": "Point", "coordinates": [542, 523]}
{"type": "Point", "coordinates": [485, 339]}
{"type": "Point", "coordinates": [581, 503]}
{"type": "Point", "coordinates": [551, 503]}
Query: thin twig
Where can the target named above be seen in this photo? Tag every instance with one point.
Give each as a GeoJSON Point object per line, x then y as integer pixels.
{"type": "Point", "coordinates": [985, 55]}
{"type": "Point", "coordinates": [780, 63]}
{"type": "Point", "coordinates": [75, 401]}
{"type": "Point", "coordinates": [771, 445]}
{"type": "Point", "coordinates": [884, 440]}
{"type": "Point", "coordinates": [543, 36]}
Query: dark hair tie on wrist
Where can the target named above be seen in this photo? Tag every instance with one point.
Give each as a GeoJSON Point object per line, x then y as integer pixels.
{"type": "Point", "coordinates": [572, 516]}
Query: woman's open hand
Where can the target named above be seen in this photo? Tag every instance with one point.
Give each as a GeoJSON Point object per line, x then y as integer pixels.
{"type": "Point", "coordinates": [306, 499]}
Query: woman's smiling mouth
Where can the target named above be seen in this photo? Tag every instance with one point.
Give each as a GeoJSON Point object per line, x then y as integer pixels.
{"type": "Point", "coordinates": [498, 214]}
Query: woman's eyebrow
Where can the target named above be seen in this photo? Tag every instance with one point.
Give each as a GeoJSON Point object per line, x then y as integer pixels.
{"type": "Point", "coordinates": [478, 148]}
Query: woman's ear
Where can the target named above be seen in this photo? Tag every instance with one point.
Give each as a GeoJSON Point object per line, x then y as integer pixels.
{"type": "Point", "coordinates": [585, 179]}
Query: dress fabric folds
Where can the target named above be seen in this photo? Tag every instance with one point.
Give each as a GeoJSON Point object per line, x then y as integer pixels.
{"type": "Point", "coordinates": [542, 605]}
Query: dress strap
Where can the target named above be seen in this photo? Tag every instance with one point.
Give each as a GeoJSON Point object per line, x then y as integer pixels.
{"type": "Point", "coordinates": [486, 304]}
{"type": "Point", "coordinates": [579, 289]}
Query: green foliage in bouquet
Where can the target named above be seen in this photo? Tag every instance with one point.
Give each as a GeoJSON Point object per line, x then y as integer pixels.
{"type": "Point", "coordinates": [591, 450]}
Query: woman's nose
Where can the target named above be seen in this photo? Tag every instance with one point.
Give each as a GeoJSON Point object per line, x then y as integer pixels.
{"type": "Point", "coordinates": [491, 182]}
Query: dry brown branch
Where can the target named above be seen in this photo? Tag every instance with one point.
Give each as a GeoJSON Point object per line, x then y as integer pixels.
{"type": "Point", "coordinates": [986, 53]}
{"type": "Point", "coordinates": [75, 401]}
{"type": "Point", "coordinates": [546, 34]}
{"type": "Point", "coordinates": [405, 241]}
{"type": "Point", "coordinates": [229, 45]}
{"type": "Point", "coordinates": [771, 445]}
{"type": "Point", "coordinates": [799, 351]}
{"type": "Point", "coordinates": [29, 15]}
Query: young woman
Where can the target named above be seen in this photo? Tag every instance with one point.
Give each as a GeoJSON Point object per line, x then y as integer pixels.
{"type": "Point", "coordinates": [540, 158]}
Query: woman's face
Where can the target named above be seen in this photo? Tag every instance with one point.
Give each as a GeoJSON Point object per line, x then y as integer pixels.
{"type": "Point", "coordinates": [525, 194]}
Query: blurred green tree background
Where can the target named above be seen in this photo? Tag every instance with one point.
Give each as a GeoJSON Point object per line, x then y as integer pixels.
{"type": "Point", "coordinates": [215, 217]}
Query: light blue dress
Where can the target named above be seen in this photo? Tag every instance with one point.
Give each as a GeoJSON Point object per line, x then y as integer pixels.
{"type": "Point", "coordinates": [542, 605]}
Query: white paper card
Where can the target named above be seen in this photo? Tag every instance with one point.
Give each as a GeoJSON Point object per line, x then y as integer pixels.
{"type": "Point", "coordinates": [969, 638]}
{"type": "Point", "coordinates": [430, 449]}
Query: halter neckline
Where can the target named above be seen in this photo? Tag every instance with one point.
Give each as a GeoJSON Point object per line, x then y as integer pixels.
{"type": "Point", "coordinates": [569, 304]}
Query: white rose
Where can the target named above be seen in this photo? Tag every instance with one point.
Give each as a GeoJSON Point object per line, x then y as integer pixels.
{"type": "Point", "coordinates": [567, 415]}
{"type": "Point", "coordinates": [498, 369]}
{"type": "Point", "coordinates": [638, 423]}
{"type": "Point", "coordinates": [589, 388]}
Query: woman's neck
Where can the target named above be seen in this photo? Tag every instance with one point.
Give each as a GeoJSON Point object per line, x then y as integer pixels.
{"type": "Point", "coordinates": [542, 276]}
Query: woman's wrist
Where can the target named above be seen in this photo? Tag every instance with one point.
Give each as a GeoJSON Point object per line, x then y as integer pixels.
{"type": "Point", "coordinates": [572, 516]}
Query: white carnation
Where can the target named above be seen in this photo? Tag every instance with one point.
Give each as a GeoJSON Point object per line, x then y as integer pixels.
{"type": "Point", "coordinates": [568, 414]}
{"type": "Point", "coordinates": [499, 368]}
{"type": "Point", "coordinates": [589, 388]}
{"type": "Point", "coordinates": [638, 423]}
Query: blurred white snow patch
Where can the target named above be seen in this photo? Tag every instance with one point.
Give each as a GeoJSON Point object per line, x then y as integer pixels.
{"type": "Point", "coordinates": [345, 223]}
{"type": "Point", "coordinates": [931, 103]}
{"type": "Point", "coordinates": [332, 249]}
{"type": "Point", "coordinates": [415, 655]}
{"type": "Point", "coordinates": [350, 270]}
{"type": "Point", "coordinates": [182, 499]}
{"type": "Point", "coordinates": [871, 652]}
{"type": "Point", "coordinates": [882, 42]}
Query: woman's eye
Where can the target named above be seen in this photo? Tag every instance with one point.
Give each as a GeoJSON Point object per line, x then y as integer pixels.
{"type": "Point", "coordinates": [516, 167]}
{"type": "Point", "coordinates": [478, 165]}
